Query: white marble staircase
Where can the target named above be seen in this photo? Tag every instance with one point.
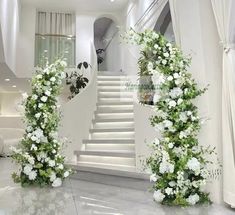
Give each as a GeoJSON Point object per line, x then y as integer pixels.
{"type": "Point", "coordinates": [111, 145]}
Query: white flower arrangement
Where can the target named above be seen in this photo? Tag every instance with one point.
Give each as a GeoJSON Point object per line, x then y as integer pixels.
{"type": "Point", "coordinates": [178, 163]}
{"type": "Point", "coordinates": [39, 151]}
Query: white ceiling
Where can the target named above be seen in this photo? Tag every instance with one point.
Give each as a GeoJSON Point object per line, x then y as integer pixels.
{"type": "Point", "coordinates": [78, 5]}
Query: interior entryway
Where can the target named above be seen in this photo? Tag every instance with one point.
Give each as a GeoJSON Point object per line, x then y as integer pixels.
{"type": "Point", "coordinates": [107, 45]}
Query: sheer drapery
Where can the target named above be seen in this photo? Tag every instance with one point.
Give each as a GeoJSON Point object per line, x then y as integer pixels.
{"type": "Point", "coordinates": [55, 38]}
{"type": "Point", "coordinates": [175, 21]}
{"type": "Point", "coordinates": [55, 23]}
{"type": "Point", "coordinates": [225, 20]}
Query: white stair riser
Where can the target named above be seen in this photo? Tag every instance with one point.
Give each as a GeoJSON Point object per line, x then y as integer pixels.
{"type": "Point", "coordinates": [112, 87]}
{"type": "Point", "coordinates": [111, 147]}
{"type": "Point", "coordinates": [114, 125]}
{"type": "Point", "coordinates": [120, 99]}
{"type": "Point", "coordinates": [114, 116]}
{"type": "Point", "coordinates": [108, 160]}
{"type": "Point", "coordinates": [108, 166]}
{"type": "Point", "coordinates": [116, 135]}
{"type": "Point", "coordinates": [115, 107]}
{"type": "Point", "coordinates": [115, 94]}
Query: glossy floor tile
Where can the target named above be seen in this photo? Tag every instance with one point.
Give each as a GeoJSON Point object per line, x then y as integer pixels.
{"type": "Point", "coordinates": [85, 198]}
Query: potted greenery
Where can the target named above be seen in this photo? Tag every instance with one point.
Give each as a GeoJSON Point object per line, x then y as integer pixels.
{"type": "Point", "coordinates": [77, 81]}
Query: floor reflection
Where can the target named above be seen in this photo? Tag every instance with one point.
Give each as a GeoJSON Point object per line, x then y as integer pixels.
{"type": "Point", "coordinates": [85, 198]}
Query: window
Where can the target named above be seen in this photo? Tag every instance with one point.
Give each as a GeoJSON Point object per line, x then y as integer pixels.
{"type": "Point", "coordinates": [55, 38]}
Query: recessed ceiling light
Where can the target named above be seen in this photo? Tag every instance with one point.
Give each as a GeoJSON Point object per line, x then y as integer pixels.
{"type": "Point", "coordinates": [7, 79]}
{"type": "Point", "coordinates": [14, 86]}
{"type": "Point", "coordinates": [112, 0]}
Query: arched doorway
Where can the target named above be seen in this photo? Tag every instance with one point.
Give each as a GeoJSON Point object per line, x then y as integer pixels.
{"type": "Point", "coordinates": [164, 24]}
{"type": "Point", "coordinates": [107, 44]}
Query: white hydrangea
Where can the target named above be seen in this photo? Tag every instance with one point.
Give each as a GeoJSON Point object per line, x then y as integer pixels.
{"type": "Point", "coordinates": [194, 165]}
{"type": "Point", "coordinates": [166, 167]}
{"type": "Point", "coordinates": [193, 199]}
{"type": "Point", "coordinates": [170, 78]}
{"type": "Point", "coordinates": [27, 169]}
{"type": "Point", "coordinates": [158, 196]}
{"type": "Point", "coordinates": [32, 175]}
{"type": "Point", "coordinates": [57, 182]}
{"type": "Point", "coordinates": [53, 79]}
{"type": "Point", "coordinates": [176, 92]}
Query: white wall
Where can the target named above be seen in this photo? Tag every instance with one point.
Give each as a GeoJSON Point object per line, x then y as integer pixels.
{"type": "Point", "coordinates": [84, 36]}
{"type": "Point", "coordinates": [9, 103]}
{"type": "Point", "coordinates": [9, 21]}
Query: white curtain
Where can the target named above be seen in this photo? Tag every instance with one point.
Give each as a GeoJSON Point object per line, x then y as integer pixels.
{"type": "Point", "coordinates": [56, 23]}
{"type": "Point", "coordinates": [55, 38]}
{"type": "Point", "coordinates": [225, 20]}
{"type": "Point", "coordinates": [175, 21]}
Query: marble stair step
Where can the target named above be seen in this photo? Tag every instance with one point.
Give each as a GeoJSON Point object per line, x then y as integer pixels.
{"type": "Point", "coordinates": [112, 120]}
{"type": "Point", "coordinates": [100, 111]}
{"type": "Point", "coordinates": [105, 166]}
{"type": "Point", "coordinates": [109, 141]}
{"type": "Point", "coordinates": [119, 154]}
{"type": "Point", "coordinates": [114, 103]}
{"type": "Point", "coordinates": [112, 130]}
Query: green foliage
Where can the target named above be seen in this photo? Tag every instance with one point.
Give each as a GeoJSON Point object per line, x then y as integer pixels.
{"type": "Point", "coordinates": [178, 163]}
{"type": "Point", "coordinates": [39, 151]}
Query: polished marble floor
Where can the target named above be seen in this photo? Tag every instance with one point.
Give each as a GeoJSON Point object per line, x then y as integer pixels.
{"type": "Point", "coordinates": [85, 198]}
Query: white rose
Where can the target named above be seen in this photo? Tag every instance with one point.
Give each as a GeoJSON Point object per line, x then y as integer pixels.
{"type": "Point", "coordinates": [52, 177]}
{"type": "Point", "coordinates": [25, 96]}
{"type": "Point", "coordinates": [51, 163]}
{"type": "Point", "coordinates": [52, 79]}
{"type": "Point", "coordinates": [37, 115]}
{"type": "Point", "coordinates": [34, 97]}
{"type": "Point", "coordinates": [66, 174]}
{"type": "Point", "coordinates": [43, 98]}
{"type": "Point", "coordinates": [176, 75]}
{"type": "Point", "coordinates": [61, 166]}
{"type": "Point", "coordinates": [153, 178]}
{"type": "Point", "coordinates": [170, 78]}
{"type": "Point", "coordinates": [39, 76]}
{"type": "Point", "coordinates": [48, 93]}
{"type": "Point", "coordinates": [179, 101]}
{"type": "Point", "coordinates": [63, 63]}
{"type": "Point", "coordinates": [172, 103]}
{"type": "Point", "coordinates": [169, 191]}
{"type": "Point", "coordinates": [164, 62]}
{"type": "Point", "coordinates": [166, 54]}
{"type": "Point", "coordinates": [57, 182]}
{"type": "Point", "coordinates": [170, 145]}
